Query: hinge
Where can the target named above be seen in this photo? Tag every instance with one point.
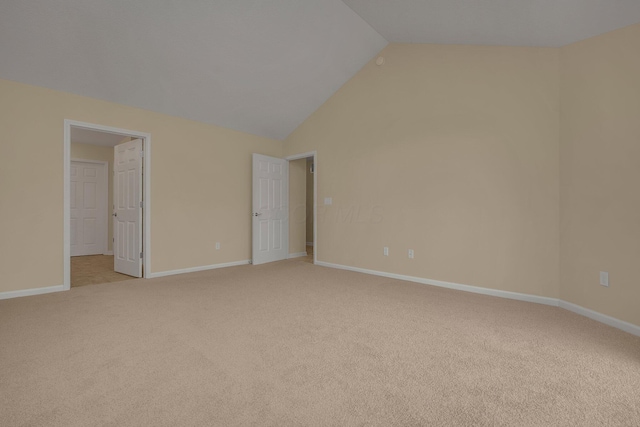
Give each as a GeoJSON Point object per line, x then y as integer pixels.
{"type": "Point", "coordinates": [142, 154]}
{"type": "Point", "coordinates": [141, 203]}
{"type": "Point", "coordinates": [141, 255]}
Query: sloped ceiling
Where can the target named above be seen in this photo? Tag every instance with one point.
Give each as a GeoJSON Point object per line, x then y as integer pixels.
{"type": "Point", "coordinates": [258, 66]}
{"type": "Point", "coordinates": [544, 23]}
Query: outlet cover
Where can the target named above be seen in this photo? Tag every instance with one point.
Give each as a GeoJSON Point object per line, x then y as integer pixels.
{"type": "Point", "coordinates": [217, 245]}
{"type": "Point", "coordinates": [411, 253]}
{"type": "Point", "coordinates": [604, 278]}
{"type": "Point", "coordinates": [328, 201]}
{"type": "Point", "coordinates": [385, 251]}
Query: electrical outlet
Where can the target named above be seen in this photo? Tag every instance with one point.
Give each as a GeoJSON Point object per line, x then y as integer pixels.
{"type": "Point", "coordinates": [411, 253]}
{"type": "Point", "coordinates": [217, 246]}
{"type": "Point", "coordinates": [604, 278]}
{"type": "Point", "coordinates": [385, 251]}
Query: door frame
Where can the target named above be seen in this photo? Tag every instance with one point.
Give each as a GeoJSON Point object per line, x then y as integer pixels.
{"type": "Point", "coordinates": [314, 155]}
{"type": "Point", "coordinates": [105, 201]}
{"type": "Point", "coordinates": [146, 188]}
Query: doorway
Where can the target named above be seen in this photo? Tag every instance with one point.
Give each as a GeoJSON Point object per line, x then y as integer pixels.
{"type": "Point", "coordinates": [85, 143]}
{"type": "Point", "coordinates": [279, 212]}
{"type": "Point", "coordinates": [304, 206]}
{"type": "Point", "coordinates": [91, 251]}
{"type": "Point", "coordinates": [309, 205]}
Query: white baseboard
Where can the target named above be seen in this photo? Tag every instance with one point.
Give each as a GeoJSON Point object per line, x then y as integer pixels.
{"type": "Point", "coordinates": [108, 253]}
{"type": "Point", "coordinates": [449, 285]}
{"type": "Point", "coordinates": [298, 255]}
{"type": "Point", "coordinates": [29, 292]}
{"type": "Point", "coordinates": [602, 318]}
{"type": "Point", "coordinates": [194, 269]}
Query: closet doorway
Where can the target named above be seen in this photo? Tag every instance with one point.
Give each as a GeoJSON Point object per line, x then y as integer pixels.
{"type": "Point", "coordinates": [106, 205]}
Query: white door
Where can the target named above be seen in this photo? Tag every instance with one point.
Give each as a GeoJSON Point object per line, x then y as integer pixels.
{"type": "Point", "coordinates": [127, 213]}
{"type": "Point", "coordinates": [88, 208]}
{"type": "Point", "coordinates": [270, 216]}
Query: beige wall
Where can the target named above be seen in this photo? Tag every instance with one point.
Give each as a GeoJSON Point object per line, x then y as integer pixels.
{"type": "Point", "coordinates": [200, 184]}
{"type": "Point", "coordinates": [600, 173]}
{"type": "Point", "coordinates": [309, 177]}
{"type": "Point", "coordinates": [297, 208]}
{"type": "Point", "coordinates": [451, 151]}
{"type": "Point", "coordinates": [502, 167]}
{"type": "Point", "coordinates": [105, 154]}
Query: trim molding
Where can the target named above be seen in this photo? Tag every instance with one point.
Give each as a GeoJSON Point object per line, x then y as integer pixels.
{"type": "Point", "coordinates": [594, 315]}
{"type": "Point", "coordinates": [602, 318]}
{"type": "Point", "coordinates": [194, 269]}
{"type": "Point", "coordinates": [298, 255]}
{"type": "Point", "coordinates": [306, 155]}
{"type": "Point", "coordinates": [146, 183]}
{"type": "Point", "coordinates": [30, 292]}
{"type": "Point", "coordinates": [449, 285]}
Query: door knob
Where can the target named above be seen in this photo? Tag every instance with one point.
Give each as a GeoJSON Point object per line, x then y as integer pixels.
{"type": "Point", "coordinates": [257, 214]}
{"type": "Point", "coordinates": [115, 214]}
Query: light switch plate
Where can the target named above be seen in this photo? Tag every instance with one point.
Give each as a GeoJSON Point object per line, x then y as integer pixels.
{"type": "Point", "coordinates": [328, 201]}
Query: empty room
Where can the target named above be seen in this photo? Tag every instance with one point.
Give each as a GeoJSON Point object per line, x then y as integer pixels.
{"type": "Point", "coordinates": [320, 212]}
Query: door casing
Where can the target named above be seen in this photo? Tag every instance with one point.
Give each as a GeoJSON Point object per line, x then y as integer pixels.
{"type": "Point", "coordinates": [146, 206]}
{"type": "Point", "coordinates": [314, 155]}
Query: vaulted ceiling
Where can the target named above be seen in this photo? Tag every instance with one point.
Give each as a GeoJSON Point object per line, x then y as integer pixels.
{"type": "Point", "coordinates": [258, 66]}
{"type": "Point", "coordinates": [545, 23]}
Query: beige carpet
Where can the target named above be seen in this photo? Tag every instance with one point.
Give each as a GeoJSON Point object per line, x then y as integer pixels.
{"type": "Point", "coordinates": [94, 269]}
{"type": "Point", "coordinates": [293, 344]}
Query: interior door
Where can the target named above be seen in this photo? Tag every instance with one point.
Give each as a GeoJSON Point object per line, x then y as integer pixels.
{"type": "Point", "coordinates": [127, 214]}
{"type": "Point", "coordinates": [88, 208]}
{"type": "Point", "coordinates": [270, 216]}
